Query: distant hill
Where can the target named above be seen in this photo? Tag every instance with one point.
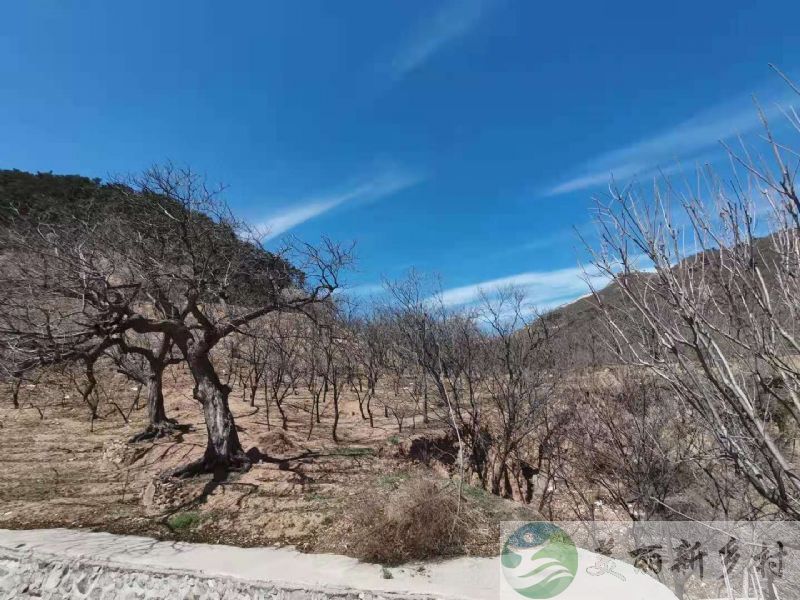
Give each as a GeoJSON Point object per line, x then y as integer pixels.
{"type": "Point", "coordinates": [580, 326]}
{"type": "Point", "coordinates": [44, 197]}
{"type": "Point", "coordinates": [28, 199]}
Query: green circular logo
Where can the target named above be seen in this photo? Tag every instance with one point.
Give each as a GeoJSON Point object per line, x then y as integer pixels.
{"type": "Point", "coordinates": [539, 560]}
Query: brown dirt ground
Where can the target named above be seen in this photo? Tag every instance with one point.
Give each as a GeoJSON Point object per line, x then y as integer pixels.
{"type": "Point", "coordinates": [60, 471]}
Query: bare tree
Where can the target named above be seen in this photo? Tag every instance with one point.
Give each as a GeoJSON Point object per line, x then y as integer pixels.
{"type": "Point", "coordinates": [406, 382]}
{"type": "Point", "coordinates": [645, 451]}
{"type": "Point", "coordinates": [717, 318]}
{"type": "Point", "coordinates": [314, 365]}
{"type": "Point", "coordinates": [283, 340]}
{"type": "Point", "coordinates": [144, 361]}
{"type": "Point", "coordinates": [332, 339]}
{"type": "Point", "coordinates": [520, 379]}
{"type": "Point", "coordinates": [368, 354]}
{"type": "Point", "coordinates": [251, 352]}
{"type": "Point", "coordinates": [443, 345]}
{"type": "Point", "coordinates": [174, 247]}
{"type": "Point", "coordinates": [44, 316]}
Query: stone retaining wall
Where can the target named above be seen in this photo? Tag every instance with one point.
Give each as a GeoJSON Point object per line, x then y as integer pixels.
{"type": "Point", "coordinates": [26, 575]}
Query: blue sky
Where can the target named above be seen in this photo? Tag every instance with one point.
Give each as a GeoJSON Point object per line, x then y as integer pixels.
{"type": "Point", "coordinates": [462, 137]}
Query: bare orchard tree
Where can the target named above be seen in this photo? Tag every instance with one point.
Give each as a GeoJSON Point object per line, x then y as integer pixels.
{"type": "Point", "coordinates": [283, 340]}
{"type": "Point", "coordinates": [717, 320]}
{"type": "Point", "coordinates": [44, 316]}
{"type": "Point", "coordinates": [333, 339]}
{"type": "Point", "coordinates": [252, 354]}
{"type": "Point", "coordinates": [443, 345]}
{"type": "Point", "coordinates": [492, 370]}
{"type": "Point", "coordinates": [143, 359]}
{"type": "Point", "coordinates": [520, 379]}
{"type": "Point", "coordinates": [406, 381]}
{"type": "Point", "coordinates": [172, 262]}
{"type": "Point", "coordinates": [401, 373]}
{"type": "Point", "coordinates": [645, 451]}
{"type": "Point", "coordinates": [313, 365]}
{"type": "Point", "coordinates": [367, 359]}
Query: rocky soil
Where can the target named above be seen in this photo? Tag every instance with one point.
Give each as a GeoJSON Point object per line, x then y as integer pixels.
{"type": "Point", "coordinates": [61, 470]}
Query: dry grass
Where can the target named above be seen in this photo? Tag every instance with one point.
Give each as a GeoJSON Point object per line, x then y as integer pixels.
{"type": "Point", "coordinates": [60, 473]}
{"type": "Point", "coordinates": [418, 520]}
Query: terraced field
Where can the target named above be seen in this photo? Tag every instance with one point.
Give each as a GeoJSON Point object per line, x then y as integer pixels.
{"type": "Point", "coordinates": [61, 470]}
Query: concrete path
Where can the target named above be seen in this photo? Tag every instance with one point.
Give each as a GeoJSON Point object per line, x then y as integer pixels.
{"type": "Point", "coordinates": [61, 563]}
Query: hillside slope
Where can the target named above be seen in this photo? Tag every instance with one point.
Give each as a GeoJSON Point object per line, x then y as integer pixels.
{"type": "Point", "coordinates": [581, 329]}
{"type": "Point", "coordinates": [31, 199]}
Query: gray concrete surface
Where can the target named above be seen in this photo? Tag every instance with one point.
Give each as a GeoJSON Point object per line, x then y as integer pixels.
{"type": "Point", "coordinates": [55, 564]}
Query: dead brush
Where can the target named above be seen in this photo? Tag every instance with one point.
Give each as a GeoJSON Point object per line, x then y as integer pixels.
{"type": "Point", "coordinates": [418, 520]}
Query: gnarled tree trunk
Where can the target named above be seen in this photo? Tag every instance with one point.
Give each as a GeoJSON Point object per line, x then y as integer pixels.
{"type": "Point", "coordinates": [158, 425]}
{"type": "Point", "coordinates": [223, 450]}
{"type": "Point", "coordinates": [156, 413]}
{"type": "Point", "coordinates": [152, 376]}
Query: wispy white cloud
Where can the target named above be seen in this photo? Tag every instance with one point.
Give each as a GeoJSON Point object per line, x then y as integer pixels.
{"type": "Point", "coordinates": [284, 221]}
{"type": "Point", "coordinates": [543, 289]}
{"type": "Point", "coordinates": [451, 21]}
{"type": "Point", "coordinates": [375, 188]}
{"type": "Point", "coordinates": [691, 142]}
